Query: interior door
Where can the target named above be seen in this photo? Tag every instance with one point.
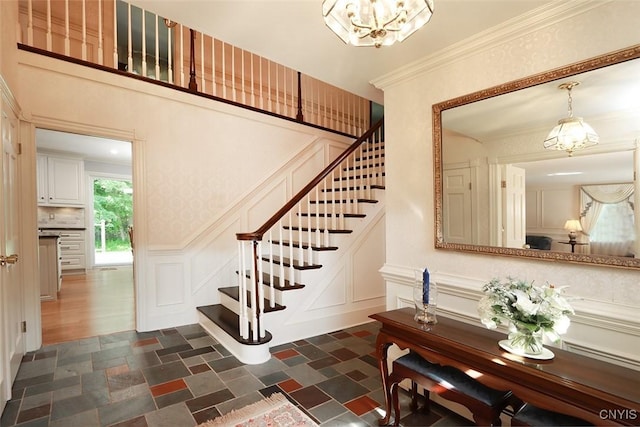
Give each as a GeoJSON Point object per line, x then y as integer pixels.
{"type": "Point", "coordinates": [457, 221]}
{"type": "Point", "coordinates": [514, 208]}
{"type": "Point", "coordinates": [11, 297]}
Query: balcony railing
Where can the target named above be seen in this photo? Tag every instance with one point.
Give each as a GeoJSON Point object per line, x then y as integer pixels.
{"type": "Point", "coordinates": [121, 36]}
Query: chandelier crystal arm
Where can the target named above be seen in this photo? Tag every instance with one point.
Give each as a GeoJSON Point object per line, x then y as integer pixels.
{"type": "Point", "coordinates": [376, 22]}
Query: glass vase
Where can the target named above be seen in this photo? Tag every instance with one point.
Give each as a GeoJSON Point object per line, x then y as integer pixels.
{"type": "Point", "coordinates": [525, 339]}
{"type": "Point", "coordinates": [425, 304]}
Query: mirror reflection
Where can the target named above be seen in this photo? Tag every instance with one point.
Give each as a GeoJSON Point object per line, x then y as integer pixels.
{"type": "Point", "coordinates": [503, 187]}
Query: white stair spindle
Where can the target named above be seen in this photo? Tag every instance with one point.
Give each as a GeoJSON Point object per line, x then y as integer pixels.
{"type": "Point", "coordinates": [327, 218]}
{"type": "Point", "coordinates": [310, 231]}
{"type": "Point", "coordinates": [243, 86]}
{"type": "Point", "coordinates": [260, 294]}
{"type": "Point", "coordinates": [252, 294]}
{"type": "Point", "coordinates": [272, 292]}
{"type": "Point", "coordinates": [292, 274]}
{"type": "Point", "coordinates": [214, 89]}
{"type": "Point", "coordinates": [321, 219]}
{"type": "Point", "coordinates": [301, 235]}
{"type": "Point", "coordinates": [281, 274]}
{"type": "Point", "coordinates": [242, 289]}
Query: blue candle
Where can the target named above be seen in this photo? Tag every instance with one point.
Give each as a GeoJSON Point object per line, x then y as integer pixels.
{"type": "Point", "coordinates": [425, 286]}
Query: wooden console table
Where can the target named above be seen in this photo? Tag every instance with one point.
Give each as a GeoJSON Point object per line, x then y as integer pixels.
{"type": "Point", "coordinates": [598, 392]}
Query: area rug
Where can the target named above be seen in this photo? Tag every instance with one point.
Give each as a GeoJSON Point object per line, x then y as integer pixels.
{"type": "Point", "coordinates": [274, 411]}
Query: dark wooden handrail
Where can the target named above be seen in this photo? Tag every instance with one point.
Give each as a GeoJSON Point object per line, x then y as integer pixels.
{"type": "Point", "coordinates": [259, 233]}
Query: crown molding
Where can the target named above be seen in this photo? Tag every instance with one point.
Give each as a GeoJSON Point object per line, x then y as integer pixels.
{"type": "Point", "coordinates": [544, 16]}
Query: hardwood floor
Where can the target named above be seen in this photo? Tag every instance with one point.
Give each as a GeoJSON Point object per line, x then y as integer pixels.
{"type": "Point", "coordinates": [99, 302]}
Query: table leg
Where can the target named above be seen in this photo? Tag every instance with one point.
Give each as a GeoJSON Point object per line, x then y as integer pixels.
{"type": "Point", "coordinates": [382, 345]}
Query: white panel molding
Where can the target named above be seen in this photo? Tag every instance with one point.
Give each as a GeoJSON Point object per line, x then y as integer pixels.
{"type": "Point", "coordinates": [170, 284]}
{"type": "Point", "coordinates": [361, 246]}
{"type": "Point", "coordinates": [591, 319]}
{"type": "Point", "coordinates": [201, 258]}
{"type": "Point", "coordinates": [601, 354]}
{"type": "Point", "coordinates": [544, 16]}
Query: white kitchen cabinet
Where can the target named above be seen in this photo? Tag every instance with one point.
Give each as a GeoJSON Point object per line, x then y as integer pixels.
{"type": "Point", "coordinates": [72, 251]}
{"type": "Point", "coordinates": [49, 262]}
{"type": "Point", "coordinates": [60, 181]}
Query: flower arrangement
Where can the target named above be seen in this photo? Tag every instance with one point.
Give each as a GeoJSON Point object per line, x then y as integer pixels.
{"type": "Point", "coordinates": [531, 311]}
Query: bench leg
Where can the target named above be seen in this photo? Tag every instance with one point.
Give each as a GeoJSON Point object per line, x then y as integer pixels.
{"type": "Point", "coordinates": [414, 396]}
{"type": "Point", "coordinates": [395, 403]}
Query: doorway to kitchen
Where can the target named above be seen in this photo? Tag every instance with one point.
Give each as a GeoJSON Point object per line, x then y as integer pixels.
{"type": "Point", "coordinates": [87, 180]}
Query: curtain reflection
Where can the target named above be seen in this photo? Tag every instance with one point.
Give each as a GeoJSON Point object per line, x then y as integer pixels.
{"type": "Point", "coordinates": [607, 219]}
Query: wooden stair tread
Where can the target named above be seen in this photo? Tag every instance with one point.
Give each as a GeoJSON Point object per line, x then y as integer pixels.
{"type": "Point", "coordinates": [356, 177]}
{"type": "Point", "coordinates": [365, 166]}
{"type": "Point", "coordinates": [229, 322]}
{"type": "Point", "coordinates": [326, 215]}
{"type": "Point", "coordinates": [266, 280]}
{"type": "Point", "coordinates": [352, 188]}
{"type": "Point", "coordinates": [305, 245]}
{"type": "Point", "coordinates": [287, 263]}
{"type": "Point", "coordinates": [234, 293]}
{"type": "Point", "coordinates": [320, 202]}
{"type": "Point", "coordinates": [331, 231]}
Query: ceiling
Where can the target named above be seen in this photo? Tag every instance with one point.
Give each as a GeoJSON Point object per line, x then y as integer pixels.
{"type": "Point", "coordinates": [293, 33]}
{"type": "Point", "coordinates": [90, 148]}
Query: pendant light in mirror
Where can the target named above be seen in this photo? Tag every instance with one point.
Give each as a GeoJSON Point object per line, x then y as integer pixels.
{"type": "Point", "coordinates": [571, 133]}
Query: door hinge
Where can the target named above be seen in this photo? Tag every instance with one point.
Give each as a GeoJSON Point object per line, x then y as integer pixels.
{"type": "Point", "coordinates": [503, 184]}
{"type": "Point", "coordinates": [19, 148]}
{"type": "Point", "coordinates": [24, 326]}
{"type": "Point", "coordinates": [469, 186]}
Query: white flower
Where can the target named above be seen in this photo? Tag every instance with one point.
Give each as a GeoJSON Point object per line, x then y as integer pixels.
{"type": "Point", "coordinates": [524, 304]}
{"type": "Point", "coordinates": [531, 307]}
{"type": "Point", "coordinates": [561, 325]}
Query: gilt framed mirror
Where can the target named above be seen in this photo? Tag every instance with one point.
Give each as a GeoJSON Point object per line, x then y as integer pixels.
{"type": "Point", "coordinates": [500, 191]}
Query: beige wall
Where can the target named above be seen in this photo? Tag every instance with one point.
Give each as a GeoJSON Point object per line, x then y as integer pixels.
{"type": "Point", "coordinates": [607, 321]}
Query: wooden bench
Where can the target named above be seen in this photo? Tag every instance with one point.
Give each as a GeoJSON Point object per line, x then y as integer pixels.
{"type": "Point", "coordinates": [485, 403]}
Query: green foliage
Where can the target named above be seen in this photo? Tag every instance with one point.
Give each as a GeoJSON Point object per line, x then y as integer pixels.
{"type": "Point", "coordinates": [113, 203]}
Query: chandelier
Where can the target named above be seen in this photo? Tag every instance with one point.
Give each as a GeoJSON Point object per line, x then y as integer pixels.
{"type": "Point", "coordinates": [571, 133]}
{"type": "Point", "coordinates": [375, 22]}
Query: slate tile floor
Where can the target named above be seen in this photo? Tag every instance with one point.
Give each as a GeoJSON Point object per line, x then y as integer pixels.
{"type": "Point", "coordinates": [182, 377]}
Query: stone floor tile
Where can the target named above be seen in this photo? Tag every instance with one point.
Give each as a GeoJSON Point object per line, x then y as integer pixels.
{"type": "Point", "coordinates": [83, 419]}
{"type": "Point", "coordinates": [204, 383]}
{"type": "Point", "coordinates": [171, 416]}
{"type": "Point", "coordinates": [310, 397]}
{"type": "Point", "coordinates": [173, 398]}
{"type": "Point", "coordinates": [126, 409]}
{"type": "Point", "coordinates": [305, 375]}
{"type": "Point", "coordinates": [328, 410]}
{"type": "Point", "coordinates": [244, 385]}
{"type": "Point", "coordinates": [165, 372]}
{"type": "Point", "coordinates": [208, 400]}
{"type": "Point", "coordinates": [342, 388]}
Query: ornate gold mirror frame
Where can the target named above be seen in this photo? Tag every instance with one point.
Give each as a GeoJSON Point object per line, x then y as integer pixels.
{"type": "Point", "coordinates": [556, 74]}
